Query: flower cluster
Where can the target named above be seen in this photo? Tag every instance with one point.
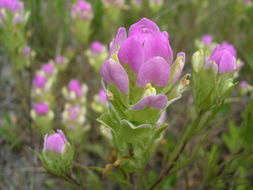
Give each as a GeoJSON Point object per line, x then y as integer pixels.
{"type": "Point", "coordinates": [141, 80]}
{"type": "Point", "coordinates": [13, 18]}
{"type": "Point", "coordinates": [96, 54]}
{"type": "Point", "coordinates": [82, 14]}
{"type": "Point", "coordinates": [42, 94]}
{"type": "Point", "coordinates": [213, 73]}
{"type": "Point", "coordinates": [73, 116]}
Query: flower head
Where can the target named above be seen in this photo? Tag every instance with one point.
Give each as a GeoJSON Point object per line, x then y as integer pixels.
{"type": "Point", "coordinates": [224, 59]}
{"type": "Point", "coordinates": [39, 81]}
{"type": "Point", "coordinates": [55, 142]}
{"type": "Point", "coordinates": [48, 68]}
{"type": "Point", "coordinates": [41, 108]}
{"type": "Point", "coordinates": [75, 86]}
{"type": "Point", "coordinates": [12, 5]}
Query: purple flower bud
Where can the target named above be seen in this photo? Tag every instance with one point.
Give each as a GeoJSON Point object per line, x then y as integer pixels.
{"type": "Point", "coordinates": [132, 52]}
{"type": "Point", "coordinates": [113, 72]}
{"type": "Point", "coordinates": [156, 70]}
{"type": "Point", "coordinates": [224, 59]}
{"type": "Point", "coordinates": [59, 59]}
{"type": "Point", "coordinates": [55, 142]}
{"type": "Point", "coordinates": [229, 47]}
{"type": "Point", "coordinates": [39, 81]}
{"type": "Point", "coordinates": [48, 68]}
{"type": "Point", "coordinates": [102, 96]}
{"type": "Point", "coordinates": [97, 47]}
{"type": "Point", "coordinates": [207, 39]}
{"type": "Point", "coordinates": [41, 108]}
{"type": "Point", "coordinates": [119, 39]}
{"type": "Point", "coordinates": [75, 86]}
{"type": "Point", "coordinates": [12, 5]}
{"type": "Point", "coordinates": [82, 9]}
{"type": "Point", "coordinates": [154, 101]}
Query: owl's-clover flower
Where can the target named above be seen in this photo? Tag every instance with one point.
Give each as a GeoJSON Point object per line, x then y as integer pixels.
{"type": "Point", "coordinates": [75, 91]}
{"type": "Point", "coordinates": [73, 115]}
{"type": "Point", "coordinates": [146, 54]}
{"type": "Point", "coordinates": [82, 10]}
{"type": "Point", "coordinates": [57, 154]}
{"type": "Point", "coordinates": [12, 10]}
{"type": "Point", "coordinates": [96, 54]}
{"type": "Point", "coordinates": [42, 116]}
{"type": "Point", "coordinates": [61, 62]}
{"type": "Point", "coordinates": [48, 68]}
{"type": "Point", "coordinates": [140, 79]}
{"type": "Point", "coordinates": [82, 14]}
{"type": "Point", "coordinates": [213, 75]}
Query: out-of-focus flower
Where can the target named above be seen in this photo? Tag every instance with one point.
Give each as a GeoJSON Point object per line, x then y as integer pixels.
{"type": "Point", "coordinates": [117, 3]}
{"type": "Point", "coordinates": [73, 114]}
{"type": "Point", "coordinates": [82, 10]}
{"type": "Point", "coordinates": [207, 39]}
{"type": "Point", "coordinates": [97, 54]}
{"type": "Point", "coordinates": [39, 81]}
{"type": "Point", "coordinates": [75, 91]}
{"type": "Point", "coordinates": [41, 108]}
{"type": "Point", "coordinates": [61, 62]}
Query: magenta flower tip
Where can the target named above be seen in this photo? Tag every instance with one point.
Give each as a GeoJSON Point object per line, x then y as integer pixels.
{"type": "Point", "coordinates": [48, 68]}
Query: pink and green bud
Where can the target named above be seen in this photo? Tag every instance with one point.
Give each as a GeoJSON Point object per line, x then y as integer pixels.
{"type": "Point", "coordinates": [57, 155]}
{"type": "Point", "coordinates": [224, 59]}
{"type": "Point", "coordinates": [39, 81]}
{"type": "Point", "coordinates": [41, 108]}
{"type": "Point", "coordinates": [113, 72]}
{"type": "Point", "coordinates": [117, 3]}
{"type": "Point", "coordinates": [82, 10]}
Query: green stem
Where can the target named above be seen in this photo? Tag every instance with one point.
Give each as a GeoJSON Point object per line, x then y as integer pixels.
{"type": "Point", "coordinates": [187, 134]}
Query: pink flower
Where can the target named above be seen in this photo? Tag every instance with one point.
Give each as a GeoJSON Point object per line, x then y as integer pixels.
{"type": "Point", "coordinates": [207, 39]}
{"type": "Point", "coordinates": [41, 108]}
{"type": "Point", "coordinates": [75, 86]}
{"type": "Point", "coordinates": [82, 9]}
{"type": "Point", "coordinates": [56, 142]}
{"type": "Point", "coordinates": [39, 81]}
{"type": "Point", "coordinates": [97, 47]}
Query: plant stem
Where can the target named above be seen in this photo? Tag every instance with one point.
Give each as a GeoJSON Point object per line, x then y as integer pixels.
{"type": "Point", "coordinates": [188, 133]}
